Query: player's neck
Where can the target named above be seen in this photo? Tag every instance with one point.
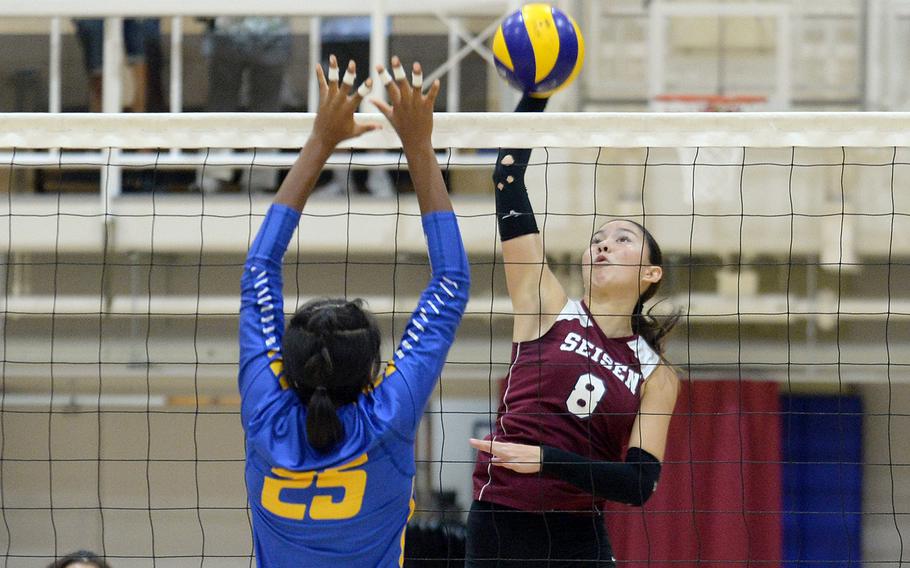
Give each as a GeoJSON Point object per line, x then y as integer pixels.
{"type": "Point", "coordinates": [612, 315]}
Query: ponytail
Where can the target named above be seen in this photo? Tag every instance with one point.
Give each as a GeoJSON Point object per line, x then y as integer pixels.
{"type": "Point", "coordinates": [323, 428]}
{"type": "Point", "coordinates": [653, 329]}
{"type": "Point", "coordinates": [650, 327]}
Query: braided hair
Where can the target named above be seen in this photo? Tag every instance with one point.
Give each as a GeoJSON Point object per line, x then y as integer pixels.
{"type": "Point", "coordinates": [331, 356]}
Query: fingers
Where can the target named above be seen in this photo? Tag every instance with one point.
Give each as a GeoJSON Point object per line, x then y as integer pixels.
{"type": "Point", "coordinates": [360, 129]}
{"type": "Point", "coordinates": [384, 75]}
{"type": "Point", "coordinates": [401, 79]}
{"type": "Point", "coordinates": [498, 450]}
{"type": "Point", "coordinates": [333, 72]}
{"type": "Point", "coordinates": [320, 80]}
{"type": "Point", "coordinates": [350, 73]}
{"type": "Point", "coordinates": [416, 76]}
{"type": "Point", "coordinates": [433, 92]}
{"type": "Point", "coordinates": [383, 107]}
{"type": "Point", "coordinates": [397, 84]}
{"type": "Point", "coordinates": [390, 86]}
{"type": "Point", "coordinates": [482, 445]}
{"type": "Point", "coordinates": [331, 84]}
{"type": "Point", "coordinates": [362, 91]}
{"type": "Point", "coordinates": [398, 72]}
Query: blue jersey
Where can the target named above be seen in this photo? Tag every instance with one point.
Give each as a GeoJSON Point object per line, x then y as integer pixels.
{"type": "Point", "coordinates": [348, 507]}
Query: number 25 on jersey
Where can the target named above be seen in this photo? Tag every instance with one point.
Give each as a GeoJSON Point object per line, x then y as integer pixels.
{"type": "Point", "coordinates": [321, 507]}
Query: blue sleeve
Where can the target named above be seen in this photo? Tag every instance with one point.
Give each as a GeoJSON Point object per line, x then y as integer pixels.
{"type": "Point", "coordinates": [420, 355]}
{"type": "Point", "coordinates": [261, 380]}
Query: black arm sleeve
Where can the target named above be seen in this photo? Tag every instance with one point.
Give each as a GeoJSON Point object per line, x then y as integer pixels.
{"type": "Point", "coordinates": [632, 481]}
{"type": "Point", "coordinates": [513, 208]}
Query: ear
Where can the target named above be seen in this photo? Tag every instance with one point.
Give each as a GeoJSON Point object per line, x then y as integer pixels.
{"type": "Point", "coordinates": [652, 274]}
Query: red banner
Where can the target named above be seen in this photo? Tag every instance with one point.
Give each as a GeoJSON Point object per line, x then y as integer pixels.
{"type": "Point", "coordinates": [719, 498]}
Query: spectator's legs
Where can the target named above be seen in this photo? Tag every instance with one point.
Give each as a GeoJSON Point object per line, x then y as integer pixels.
{"type": "Point", "coordinates": [91, 37]}
{"type": "Point", "coordinates": [138, 36]}
{"type": "Point", "coordinates": [267, 65]}
{"type": "Point", "coordinates": [265, 96]}
{"type": "Point", "coordinates": [265, 87]}
{"type": "Point", "coordinates": [359, 51]}
{"type": "Point", "coordinates": [154, 60]}
{"type": "Point", "coordinates": [226, 68]}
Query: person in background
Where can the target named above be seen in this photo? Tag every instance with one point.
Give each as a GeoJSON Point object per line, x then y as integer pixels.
{"type": "Point", "coordinates": [348, 38]}
{"type": "Point", "coordinates": [141, 37]}
{"type": "Point", "coordinates": [248, 58]}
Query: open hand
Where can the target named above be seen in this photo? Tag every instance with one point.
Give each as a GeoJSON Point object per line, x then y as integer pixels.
{"type": "Point", "coordinates": [337, 104]}
{"type": "Point", "coordinates": [410, 111]}
{"type": "Point", "coordinates": [522, 458]}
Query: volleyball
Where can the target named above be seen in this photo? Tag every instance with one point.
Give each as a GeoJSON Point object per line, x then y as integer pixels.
{"type": "Point", "coordinates": [538, 49]}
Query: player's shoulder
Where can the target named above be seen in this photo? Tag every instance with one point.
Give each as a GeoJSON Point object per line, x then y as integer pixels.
{"type": "Point", "coordinates": [573, 310]}
{"type": "Point", "coordinates": [648, 358]}
{"type": "Point", "coordinates": [663, 381]}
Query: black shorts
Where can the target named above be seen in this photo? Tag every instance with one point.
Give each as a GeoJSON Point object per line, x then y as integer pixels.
{"type": "Point", "coordinates": [504, 537]}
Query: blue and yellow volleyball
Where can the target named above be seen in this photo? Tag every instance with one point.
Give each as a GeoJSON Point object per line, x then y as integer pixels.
{"type": "Point", "coordinates": [538, 49]}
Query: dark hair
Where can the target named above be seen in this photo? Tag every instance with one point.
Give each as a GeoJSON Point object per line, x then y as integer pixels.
{"type": "Point", "coordinates": [651, 328]}
{"type": "Point", "coordinates": [331, 355]}
{"type": "Point", "coordinates": [83, 556]}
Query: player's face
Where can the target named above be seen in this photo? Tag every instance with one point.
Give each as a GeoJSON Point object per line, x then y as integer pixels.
{"type": "Point", "coordinates": [618, 257]}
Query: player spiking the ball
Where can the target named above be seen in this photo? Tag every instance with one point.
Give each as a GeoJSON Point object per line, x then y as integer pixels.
{"type": "Point", "coordinates": [587, 378]}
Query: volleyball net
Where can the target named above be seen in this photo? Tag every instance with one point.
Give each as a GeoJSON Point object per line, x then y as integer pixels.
{"type": "Point", "coordinates": [787, 253]}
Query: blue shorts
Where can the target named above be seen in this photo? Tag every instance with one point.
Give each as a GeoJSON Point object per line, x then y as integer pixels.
{"type": "Point", "coordinates": [135, 33]}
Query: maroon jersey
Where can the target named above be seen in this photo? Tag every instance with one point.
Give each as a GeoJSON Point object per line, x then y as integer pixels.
{"type": "Point", "coordinates": [573, 389]}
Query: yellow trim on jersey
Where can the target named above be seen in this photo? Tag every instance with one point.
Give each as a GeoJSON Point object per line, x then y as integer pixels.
{"type": "Point", "coordinates": [277, 366]}
{"type": "Point", "coordinates": [389, 369]}
{"type": "Point", "coordinates": [411, 506]}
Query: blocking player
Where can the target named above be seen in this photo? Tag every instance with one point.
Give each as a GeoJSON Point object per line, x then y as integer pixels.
{"type": "Point", "coordinates": [329, 444]}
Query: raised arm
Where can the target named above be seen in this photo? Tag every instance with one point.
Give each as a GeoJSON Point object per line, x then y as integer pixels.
{"type": "Point", "coordinates": [421, 353]}
{"type": "Point", "coordinates": [334, 123]}
{"type": "Point", "coordinates": [411, 113]}
{"type": "Point", "coordinates": [537, 296]}
{"type": "Point", "coordinates": [262, 304]}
